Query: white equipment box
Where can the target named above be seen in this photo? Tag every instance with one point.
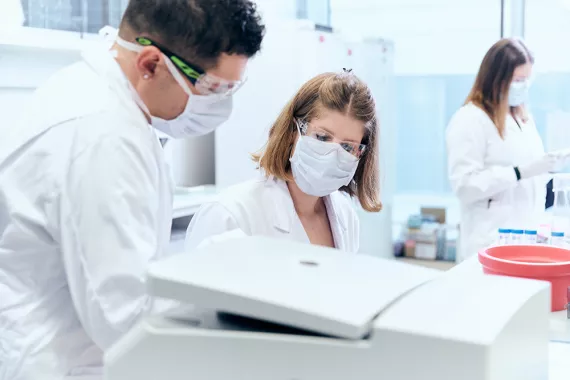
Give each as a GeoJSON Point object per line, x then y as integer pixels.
{"type": "Point", "coordinates": [278, 310]}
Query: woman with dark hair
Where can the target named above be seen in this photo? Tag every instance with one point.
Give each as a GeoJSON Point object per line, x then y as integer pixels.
{"type": "Point", "coordinates": [497, 165]}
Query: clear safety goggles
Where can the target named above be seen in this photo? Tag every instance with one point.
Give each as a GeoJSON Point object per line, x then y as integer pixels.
{"type": "Point", "coordinates": [356, 149]}
{"type": "Point", "coordinates": [205, 84]}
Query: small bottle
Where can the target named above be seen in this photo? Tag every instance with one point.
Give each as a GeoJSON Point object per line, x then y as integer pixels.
{"type": "Point", "coordinates": [517, 237]}
{"type": "Point", "coordinates": [530, 237]}
{"type": "Point", "coordinates": [504, 236]}
{"type": "Point", "coordinates": [568, 303]}
{"type": "Point", "coordinates": [557, 239]}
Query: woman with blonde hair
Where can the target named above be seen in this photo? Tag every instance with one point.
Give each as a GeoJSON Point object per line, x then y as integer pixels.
{"type": "Point", "coordinates": [322, 147]}
{"type": "Point", "coordinates": [496, 161]}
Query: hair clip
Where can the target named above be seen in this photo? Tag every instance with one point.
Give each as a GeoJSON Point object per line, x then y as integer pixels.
{"type": "Point", "coordinates": [347, 70]}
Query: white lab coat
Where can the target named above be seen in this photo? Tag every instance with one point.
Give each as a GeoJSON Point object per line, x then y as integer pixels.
{"type": "Point", "coordinates": [264, 207]}
{"type": "Point", "coordinates": [85, 204]}
{"type": "Point", "coordinates": [481, 172]}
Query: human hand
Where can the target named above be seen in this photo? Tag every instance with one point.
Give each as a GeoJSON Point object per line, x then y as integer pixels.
{"type": "Point", "coordinates": [550, 162]}
{"type": "Point", "coordinates": [563, 156]}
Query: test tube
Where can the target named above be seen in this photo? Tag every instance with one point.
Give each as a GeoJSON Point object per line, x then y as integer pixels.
{"type": "Point", "coordinates": [557, 239]}
{"type": "Point", "coordinates": [517, 237]}
{"type": "Point", "coordinates": [530, 237]}
{"type": "Point", "coordinates": [504, 236]}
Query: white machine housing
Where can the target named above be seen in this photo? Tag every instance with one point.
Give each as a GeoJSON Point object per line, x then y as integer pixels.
{"type": "Point", "coordinates": [268, 309]}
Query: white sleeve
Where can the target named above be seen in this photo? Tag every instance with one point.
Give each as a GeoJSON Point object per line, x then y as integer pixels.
{"type": "Point", "coordinates": [109, 221]}
{"type": "Point", "coordinates": [466, 147]}
{"type": "Point", "coordinates": [212, 223]}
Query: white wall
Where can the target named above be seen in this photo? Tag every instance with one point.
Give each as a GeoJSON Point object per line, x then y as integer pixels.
{"type": "Point", "coordinates": [277, 9]}
{"type": "Point", "coordinates": [23, 67]}
{"type": "Point", "coordinates": [547, 32]}
{"type": "Point", "coordinates": [431, 37]}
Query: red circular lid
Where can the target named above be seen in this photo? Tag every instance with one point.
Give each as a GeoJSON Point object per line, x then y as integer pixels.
{"type": "Point", "coordinates": [527, 260]}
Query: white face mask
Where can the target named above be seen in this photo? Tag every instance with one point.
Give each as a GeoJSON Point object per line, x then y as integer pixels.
{"type": "Point", "coordinates": [518, 93]}
{"type": "Point", "coordinates": [202, 114]}
{"type": "Point", "coordinates": [321, 168]}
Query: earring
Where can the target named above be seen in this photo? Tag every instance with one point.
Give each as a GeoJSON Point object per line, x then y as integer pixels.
{"type": "Point", "coordinates": [145, 76]}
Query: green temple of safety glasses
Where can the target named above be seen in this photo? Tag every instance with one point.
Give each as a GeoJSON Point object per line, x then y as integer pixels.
{"type": "Point", "coordinates": [192, 72]}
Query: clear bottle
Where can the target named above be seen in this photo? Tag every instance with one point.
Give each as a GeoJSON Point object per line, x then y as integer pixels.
{"type": "Point", "coordinates": [557, 239]}
{"type": "Point", "coordinates": [543, 236]}
{"type": "Point", "coordinates": [561, 207]}
{"type": "Point", "coordinates": [530, 237]}
{"type": "Point", "coordinates": [517, 237]}
{"type": "Point", "coordinates": [504, 236]}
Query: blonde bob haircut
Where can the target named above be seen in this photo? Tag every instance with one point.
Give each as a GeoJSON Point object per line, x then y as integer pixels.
{"type": "Point", "coordinates": [343, 93]}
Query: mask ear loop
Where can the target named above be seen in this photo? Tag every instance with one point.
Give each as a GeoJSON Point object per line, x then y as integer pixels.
{"type": "Point", "coordinates": [300, 125]}
{"type": "Point", "coordinates": [177, 76]}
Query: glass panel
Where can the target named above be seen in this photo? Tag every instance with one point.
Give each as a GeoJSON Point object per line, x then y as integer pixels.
{"type": "Point", "coordinates": [439, 45]}
{"type": "Point", "coordinates": [87, 16]}
{"type": "Point", "coordinates": [52, 14]}
{"type": "Point", "coordinates": [317, 11]}
{"type": "Point", "coordinates": [546, 23]}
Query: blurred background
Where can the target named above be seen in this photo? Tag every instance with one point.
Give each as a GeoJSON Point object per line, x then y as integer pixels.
{"type": "Point", "coordinates": [420, 58]}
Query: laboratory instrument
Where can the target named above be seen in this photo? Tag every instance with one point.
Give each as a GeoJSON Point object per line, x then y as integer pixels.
{"type": "Point", "coordinates": [281, 310]}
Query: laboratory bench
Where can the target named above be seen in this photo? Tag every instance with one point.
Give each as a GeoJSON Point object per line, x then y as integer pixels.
{"type": "Point", "coordinates": [559, 361]}
{"type": "Point", "coordinates": [434, 264]}
{"type": "Point", "coordinates": [187, 201]}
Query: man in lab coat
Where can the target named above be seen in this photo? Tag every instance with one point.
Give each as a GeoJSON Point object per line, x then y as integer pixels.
{"type": "Point", "coordinates": [85, 195]}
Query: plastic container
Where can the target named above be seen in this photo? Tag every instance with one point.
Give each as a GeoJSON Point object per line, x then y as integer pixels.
{"type": "Point", "coordinates": [538, 262]}
{"type": "Point", "coordinates": [504, 236]}
{"type": "Point", "coordinates": [530, 237]}
{"type": "Point", "coordinates": [557, 239]}
{"type": "Point", "coordinates": [517, 237]}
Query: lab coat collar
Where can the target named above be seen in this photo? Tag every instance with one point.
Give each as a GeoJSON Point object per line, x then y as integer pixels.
{"type": "Point", "coordinates": [102, 61]}
{"type": "Point", "coordinates": [284, 210]}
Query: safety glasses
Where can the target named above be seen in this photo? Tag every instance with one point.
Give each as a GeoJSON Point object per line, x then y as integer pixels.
{"type": "Point", "coordinates": [353, 148]}
{"type": "Point", "coordinates": [206, 84]}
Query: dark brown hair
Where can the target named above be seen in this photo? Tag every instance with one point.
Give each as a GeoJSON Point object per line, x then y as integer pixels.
{"type": "Point", "coordinates": [198, 30]}
{"type": "Point", "coordinates": [344, 93]}
{"type": "Point", "coordinates": [491, 89]}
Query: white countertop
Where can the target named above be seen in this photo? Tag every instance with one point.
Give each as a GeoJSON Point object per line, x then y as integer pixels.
{"type": "Point", "coordinates": [560, 346]}
{"type": "Point", "coordinates": [560, 328]}
{"type": "Point", "coordinates": [187, 200]}
{"type": "Point", "coordinates": [559, 361]}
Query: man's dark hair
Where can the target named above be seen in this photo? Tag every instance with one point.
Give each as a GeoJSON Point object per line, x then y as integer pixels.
{"type": "Point", "coordinates": [198, 30]}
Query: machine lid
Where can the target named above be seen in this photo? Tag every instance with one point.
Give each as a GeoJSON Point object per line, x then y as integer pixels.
{"type": "Point", "coordinates": [304, 286]}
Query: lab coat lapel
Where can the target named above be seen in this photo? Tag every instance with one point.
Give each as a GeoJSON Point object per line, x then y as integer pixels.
{"type": "Point", "coordinates": [337, 221]}
{"type": "Point", "coordinates": [281, 205]}
{"type": "Point", "coordinates": [283, 214]}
